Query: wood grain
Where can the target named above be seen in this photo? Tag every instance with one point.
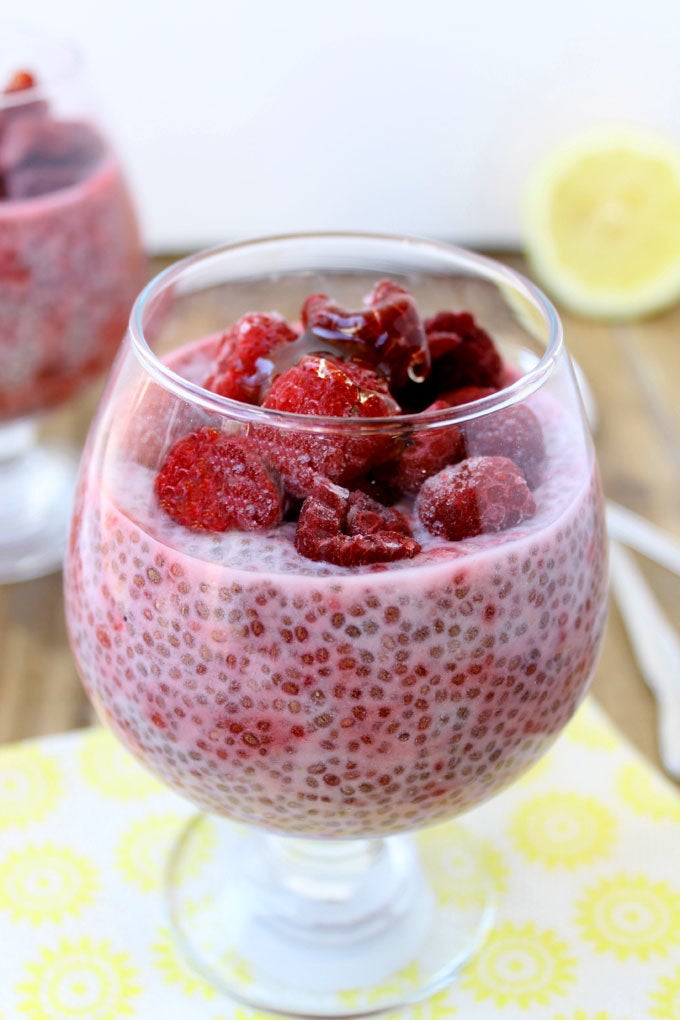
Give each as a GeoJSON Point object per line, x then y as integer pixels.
{"type": "Point", "coordinates": [634, 372]}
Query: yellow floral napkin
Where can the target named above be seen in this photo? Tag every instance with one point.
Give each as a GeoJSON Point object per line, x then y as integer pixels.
{"type": "Point", "coordinates": [584, 853]}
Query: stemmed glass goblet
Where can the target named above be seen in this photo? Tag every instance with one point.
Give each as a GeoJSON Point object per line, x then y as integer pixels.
{"type": "Point", "coordinates": [71, 264]}
{"type": "Point", "coordinates": [336, 574]}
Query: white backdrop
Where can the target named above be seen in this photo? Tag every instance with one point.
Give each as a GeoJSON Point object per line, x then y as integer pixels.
{"type": "Point", "coordinates": [246, 117]}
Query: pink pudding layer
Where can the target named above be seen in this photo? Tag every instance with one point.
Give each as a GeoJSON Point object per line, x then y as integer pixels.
{"type": "Point", "coordinates": [330, 701]}
{"type": "Point", "coordinates": [70, 266]}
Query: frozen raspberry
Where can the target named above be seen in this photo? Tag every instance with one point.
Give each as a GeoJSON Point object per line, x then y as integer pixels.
{"type": "Point", "coordinates": [467, 394]}
{"type": "Point", "coordinates": [350, 529]}
{"type": "Point", "coordinates": [323, 386]}
{"type": "Point", "coordinates": [380, 485]}
{"type": "Point", "coordinates": [19, 82]}
{"type": "Point", "coordinates": [515, 433]}
{"type": "Point", "coordinates": [212, 481]}
{"type": "Point", "coordinates": [328, 387]}
{"type": "Point", "coordinates": [388, 333]}
{"type": "Point", "coordinates": [426, 453]}
{"type": "Point", "coordinates": [462, 353]}
{"type": "Point", "coordinates": [481, 494]}
{"type": "Point", "coordinates": [367, 378]}
{"type": "Point", "coordinates": [366, 516]}
{"type": "Point", "coordinates": [244, 365]}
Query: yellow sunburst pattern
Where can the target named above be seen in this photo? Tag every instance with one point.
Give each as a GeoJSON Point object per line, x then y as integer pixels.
{"type": "Point", "coordinates": [439, 1007]}
{"type": "Point", "coordinates": [563, 829]}
{"type": "Point", "coordinates": [402, 983]}
{"type": "Point", "coordinates": [31, 783]}
{"type": "Point", "coordinates": [84, 978]}
{"type": "Point", "coordinates": [461, 870]}
{"type": "Point", "coordinates": [46, 883]}
{"type": "Point", "coordinates": [580, 854]}
{"type": "Point", "coordinates": [520, 966]}
{"type": "Point", "coordinates": [149, 840]}
{"type": "Point", "coordinates": [583, 1014]}
{"type": "Point", "coordinates": [665, 997]}
{"type": "Point", "coordinates": [106, 766]}
{"type": "Point", "coordinates": [630, 915]}
{"type": "Point", "coordinates": [167, 960]}
{"type": "Point", "coordinates": [646, 794]}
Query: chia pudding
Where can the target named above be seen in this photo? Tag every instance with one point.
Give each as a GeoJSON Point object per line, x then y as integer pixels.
{"type": "Point", "coordinates": [71, 261]}
{"type": "Point", "coordinates": [281, 672]}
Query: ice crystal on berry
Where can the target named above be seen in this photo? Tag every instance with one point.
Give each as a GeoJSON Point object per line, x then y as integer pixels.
{"type": "Point", "coordinates": [350, 529]}
{"type": "Point", "coordinates": [324, 386]}
{"type": "Point", "coordinates": [244, 366]}
{"type": "Point", "coordinates": [478, 495]}
{"type": "Point", "coordinates": [213, 481]}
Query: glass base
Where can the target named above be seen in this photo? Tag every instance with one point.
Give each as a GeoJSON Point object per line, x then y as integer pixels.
{"type": "Point", "coordinates": [37, 484]}
{"type": "Point", "coordinates": [327, 929]}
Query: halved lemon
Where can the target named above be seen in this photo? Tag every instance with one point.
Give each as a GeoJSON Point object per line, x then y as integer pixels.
{"type": "Point", "coordinates": [602, 223]}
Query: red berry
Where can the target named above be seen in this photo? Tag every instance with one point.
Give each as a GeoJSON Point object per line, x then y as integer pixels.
{"type": "Point", "coordinates": [467, 394]}
{"type": "Point", "coordinates": [426, 453]}
{"type": "Point", "coordinates": [327, 387]}
{"type": "Point", "coordinates": [479, 495]}
{"type": "Point", "coordinates": [213, 481]}
{"type": "Point", "coordinates": [462, 353]}
{"type": "Point", "coordinates": [380, 486]}
{"type": "Point", "coordinates": [388, 333]}
{"type": "Point", "coordinates": [366, 516]}
{"type": "Point", "coordinates": [367, 378]}
{"type": "Point", "coordinates": [350, 529]}
{"type": "Point", "coordinates": [515, 433]}
{"type": "Point", "coordinates": [244, 365]}
{"type": "Point", "coordinates": [19, 81]}
{"type": "Point", "coordinates": [324, 386]}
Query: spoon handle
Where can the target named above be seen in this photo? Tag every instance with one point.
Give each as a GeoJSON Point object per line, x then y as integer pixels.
{"type": "Point", "coordinates": [643, 536]}
{"type": "Point", "coordinates": [656, 646]}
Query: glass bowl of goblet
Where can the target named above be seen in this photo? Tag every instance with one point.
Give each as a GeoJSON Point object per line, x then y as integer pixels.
{"type": "Point", "coordinates": [337, 574]}
{"type": "Point", "coordinates": [71, 264]}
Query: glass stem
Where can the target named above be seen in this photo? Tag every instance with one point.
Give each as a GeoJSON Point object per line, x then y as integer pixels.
{"type": "Point", "coordinates": [326, 928]}
{"type": "Point", "coordinates": [324, 888]}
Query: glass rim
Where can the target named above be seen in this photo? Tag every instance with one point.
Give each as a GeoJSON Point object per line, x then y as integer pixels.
{"type": "Point", "coordinates": [487, 268]}
{"type": "Point", "coordinates": [69, 62]}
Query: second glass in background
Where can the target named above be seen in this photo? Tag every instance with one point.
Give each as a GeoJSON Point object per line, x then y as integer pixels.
{"type": "Point", "coordinates": [71, 262]}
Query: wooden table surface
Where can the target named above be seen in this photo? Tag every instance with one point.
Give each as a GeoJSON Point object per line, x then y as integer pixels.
{"type": "Point", "coordinates": [634, 372]}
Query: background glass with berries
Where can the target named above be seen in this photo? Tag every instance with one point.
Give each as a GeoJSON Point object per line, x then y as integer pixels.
{"type": "Point", "coordinates": [70, 265]}
{"type": "Point", "coordinates": [337, 574]}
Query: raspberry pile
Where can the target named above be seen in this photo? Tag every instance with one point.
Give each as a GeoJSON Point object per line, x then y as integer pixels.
{"type": "Point", "coordinates": [379, 361]}
{"type": "Point", "coordinates": [40, 154]}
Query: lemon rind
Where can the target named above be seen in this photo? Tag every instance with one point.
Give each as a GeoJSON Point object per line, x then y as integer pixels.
{"type": "Point", "coordinates": [569, 289]}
